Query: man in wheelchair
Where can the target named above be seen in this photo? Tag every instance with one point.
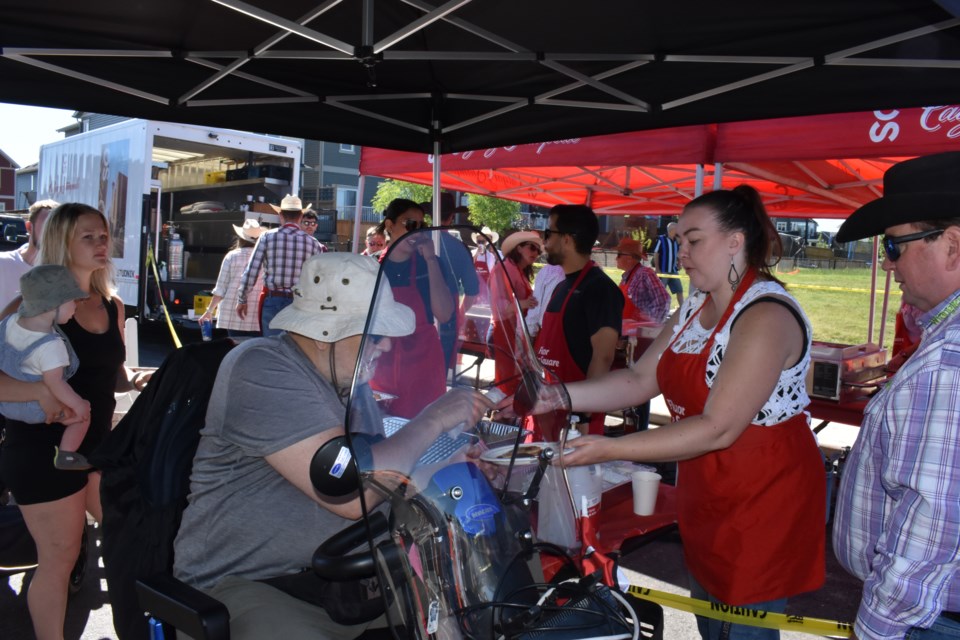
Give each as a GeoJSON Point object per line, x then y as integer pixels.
{"type": "Point", "coordinates": [254, 519]}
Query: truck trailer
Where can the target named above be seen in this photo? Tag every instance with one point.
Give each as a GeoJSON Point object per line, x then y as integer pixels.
{"type": "Point", "coordinates": [153, 179]}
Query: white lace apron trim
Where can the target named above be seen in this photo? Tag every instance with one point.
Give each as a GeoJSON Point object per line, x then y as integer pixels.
{"type": "Point", "coordinates": [790, 397]}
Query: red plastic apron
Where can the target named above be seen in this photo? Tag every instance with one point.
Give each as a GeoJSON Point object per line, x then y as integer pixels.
{"type": "Point", "coordinates": [505, 329]}
{"type": "Point", "coordinates": [413, 369]}
{"type": "Point", "coordinates": [552, 351]}
{"type": "Point", "coordinates": [630, 310]}
{"type": "Point", "coordinates": [752, 515]}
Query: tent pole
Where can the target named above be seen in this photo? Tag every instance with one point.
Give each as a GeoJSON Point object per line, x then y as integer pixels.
{"type": "Point", "coordinates": [698, 189]}
{"type": "Point", "coordinates": [883, 311]}
{"type": "Point", "coordinates": [873, 289]}
{"type": "Point", "coordinates": [358, 215]}
{"type": "Point", "coordinates": [435, 215]}
{"type": "Point", "coordinates": [717, 176]}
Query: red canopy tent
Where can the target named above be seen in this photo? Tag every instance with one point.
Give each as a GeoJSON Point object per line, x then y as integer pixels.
{"type": "Point", "coordinates": [816, 166]}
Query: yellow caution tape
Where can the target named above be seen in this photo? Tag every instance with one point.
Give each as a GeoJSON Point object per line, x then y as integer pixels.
{"type": "Point", "coordinates": [742, 615]}
{"type": "Point", "coordinates": [152, 259]}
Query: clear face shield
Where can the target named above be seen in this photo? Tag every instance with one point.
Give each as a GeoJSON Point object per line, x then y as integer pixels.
{"type": "Point", "coordinates": [460, 558]}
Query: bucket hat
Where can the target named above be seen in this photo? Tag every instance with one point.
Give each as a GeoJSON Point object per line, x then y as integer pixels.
{"type": "Point", "coordinates": [925, 188]}
{"type": "Point", "coordinates": [250, 230]}
{"type": "Point", "coordinates": [46, 287]}
{"type": "Point", "coordinates": [333, 298]}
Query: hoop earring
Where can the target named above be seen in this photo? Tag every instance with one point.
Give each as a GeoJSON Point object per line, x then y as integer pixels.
{"type": "Point", "coordinates": [733, 276]}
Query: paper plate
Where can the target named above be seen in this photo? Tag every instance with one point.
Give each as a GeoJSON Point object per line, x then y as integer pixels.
{"type": "Point", "coordinates": [527, 453]}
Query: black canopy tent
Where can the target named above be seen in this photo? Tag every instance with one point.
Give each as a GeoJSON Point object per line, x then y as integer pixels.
{"type": "Point", "coordinates": [467, 74]}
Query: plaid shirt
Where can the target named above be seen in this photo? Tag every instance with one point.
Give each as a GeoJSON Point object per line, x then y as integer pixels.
{"type": "Point", "coordinates": [647, 292]}
{"type": "Point", "coordinates": [281, 253]}
{"type": "Point", "coordinates": [897, 525]}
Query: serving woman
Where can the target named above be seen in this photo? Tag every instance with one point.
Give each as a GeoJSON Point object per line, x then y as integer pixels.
{"type": "Point", "coordinates": [228, 282]}
{"type": "Point", "coordinates": [512, 277]}
{"type": "Point", "coordinates": [731, 365]}
{"type": "Point", "coordinates": [413, 371]}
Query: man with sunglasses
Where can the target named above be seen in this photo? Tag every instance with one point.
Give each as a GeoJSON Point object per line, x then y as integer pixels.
{"type": "Point", "coordinates": [897, 524]}
{"type": "Point", "coordinates": [582, 320]}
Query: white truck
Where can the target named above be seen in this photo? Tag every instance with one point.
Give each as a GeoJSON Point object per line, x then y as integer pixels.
{"type": "Point", "coordinates": [153, 178]}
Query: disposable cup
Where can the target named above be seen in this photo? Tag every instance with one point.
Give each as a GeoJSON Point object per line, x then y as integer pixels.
{"type": "Point", "coordinates": [191, 313]}
{"type": "Point", "coordinates": [646, 484]}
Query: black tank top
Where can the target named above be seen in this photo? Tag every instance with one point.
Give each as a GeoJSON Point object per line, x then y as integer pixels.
{"type": "Point", "coordinates": [101, 355]}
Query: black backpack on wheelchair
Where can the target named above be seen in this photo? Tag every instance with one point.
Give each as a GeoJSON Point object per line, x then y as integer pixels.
{"type": "Point", "coordinates": [146, 462]}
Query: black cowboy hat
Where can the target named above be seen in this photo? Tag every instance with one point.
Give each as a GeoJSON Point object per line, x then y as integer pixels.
{"type": "Point", "coordinates": [916, 190]}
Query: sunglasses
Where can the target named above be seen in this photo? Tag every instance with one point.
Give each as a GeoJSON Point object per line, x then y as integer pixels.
{"type": "Point", "coordinates": [375, 339]}
{"type": "Point", "coordinates": [891, 244]}
{"type": "Point", "coordinates": [308, 223]}
{"type": "Point", "coordinates": [412, 225]}
{"type": "Point", "coordinates": [552, 232]}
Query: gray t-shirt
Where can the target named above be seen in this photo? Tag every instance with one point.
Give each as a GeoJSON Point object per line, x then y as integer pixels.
{"type": "Point", "coordinates": [244, 519]}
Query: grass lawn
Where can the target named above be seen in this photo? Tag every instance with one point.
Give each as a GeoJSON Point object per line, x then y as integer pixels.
{"type": "Point", "coordinates": [837, 301]}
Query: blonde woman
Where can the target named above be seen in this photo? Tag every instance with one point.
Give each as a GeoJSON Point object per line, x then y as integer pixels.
{"type": "Point", "coordinates": [53, 502]}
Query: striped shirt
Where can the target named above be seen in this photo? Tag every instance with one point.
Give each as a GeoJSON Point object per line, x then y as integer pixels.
{"type": "Point", "coordinates": [666, 250]}
{"type": "Point", "coordinates": [897, 525]}
{"type": "Point", "coordinates": [281, 254]}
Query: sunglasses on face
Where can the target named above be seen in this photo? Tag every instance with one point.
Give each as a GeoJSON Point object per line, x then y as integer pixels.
{"type": "Point", "coordinates": [551, 232]}
{"type": "Point", "coordinates": [308, 223]}
{"type": "Point", "coordinates": [891, 244]}
{"type": "Point", "coordinates": [412, 225]}
{"type": "Point", "coordinates": [375, 339]}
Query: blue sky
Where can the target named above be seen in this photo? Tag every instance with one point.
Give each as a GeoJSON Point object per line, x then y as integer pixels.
{"type": "Point", "coordinates": [23, 129]}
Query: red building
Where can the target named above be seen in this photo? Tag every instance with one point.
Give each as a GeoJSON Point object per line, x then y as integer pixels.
{"type": "Point", "coordinates": [8, 182]}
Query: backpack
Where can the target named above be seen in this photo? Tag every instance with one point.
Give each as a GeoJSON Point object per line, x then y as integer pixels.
{"type": "Point", "coordinates": [145, 463]}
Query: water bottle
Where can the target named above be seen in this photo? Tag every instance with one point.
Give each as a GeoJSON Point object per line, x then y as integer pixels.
{"type": "Point", "coordinates": [586, 482]}
{"type": "Point", "coordinates": [175, 257]}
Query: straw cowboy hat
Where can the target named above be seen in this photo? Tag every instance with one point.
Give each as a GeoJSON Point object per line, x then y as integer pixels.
{"type": "Point", "coordinates": [916, 190]}
{"type": "Point", "coordinates": [250, 230]}
{"type": "Point", "coordinates": [492, 235]}
{"type": "Point", "coordinates": [333, 298]}
{"type": "Point", "coordinates": [514, 239]}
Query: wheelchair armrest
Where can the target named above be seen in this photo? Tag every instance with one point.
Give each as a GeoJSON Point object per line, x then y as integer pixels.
{"type": "Point", "coordinates": [187, 609]}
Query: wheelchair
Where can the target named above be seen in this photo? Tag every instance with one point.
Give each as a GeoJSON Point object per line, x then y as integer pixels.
{"type": "Point", "coordinates": [457, 556]}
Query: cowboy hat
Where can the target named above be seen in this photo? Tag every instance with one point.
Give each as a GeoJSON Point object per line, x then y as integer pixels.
{"type": "Point", "coordinates": [250, 230]}
{"type": "Point", "coordinates": [916, 190]}
{"type": "Point", "coordinates": [291, 203]}
{"type": "Point", "coordinates": [515, 239]}
{"type": "Point", "coordinates": [333, 299]}
{"type": "Point", "coordinates": [631, 247]}
{"type": "Point", "coordinates": [492, 236]}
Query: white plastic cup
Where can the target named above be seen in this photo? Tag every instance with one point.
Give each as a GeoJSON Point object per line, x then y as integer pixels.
{"type": "Point", "coordinates": [191, 313]}
{"type": "Point", "coordinates": [646, 484]}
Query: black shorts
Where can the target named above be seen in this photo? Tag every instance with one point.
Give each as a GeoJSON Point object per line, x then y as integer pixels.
{"type": "Point", "coordinates": [26, 464]}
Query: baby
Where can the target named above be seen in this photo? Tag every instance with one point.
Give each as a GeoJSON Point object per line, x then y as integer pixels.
{"type": "Point", "coordinates": [35, 350]}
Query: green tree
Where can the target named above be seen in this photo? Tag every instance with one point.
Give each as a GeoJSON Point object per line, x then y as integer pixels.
{"type": "Point", "coordinates": [496, 213]}
{"type": "Point", "coordinates": [389, 190]}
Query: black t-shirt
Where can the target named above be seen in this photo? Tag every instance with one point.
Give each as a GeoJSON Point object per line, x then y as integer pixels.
{"type": "Point", "coordinates": [597, 303]}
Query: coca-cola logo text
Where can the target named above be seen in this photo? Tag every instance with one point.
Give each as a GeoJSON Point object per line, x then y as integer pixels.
{"type": "Point", "coordinates": [932, 119]}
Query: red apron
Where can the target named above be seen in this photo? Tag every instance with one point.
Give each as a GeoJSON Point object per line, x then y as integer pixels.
{"type": "Point", "coordinates": [630, 310]}
{"type": "Point", "coordinates": [507, 328]}
{"type": "Point", "coordinates": [413, 369]}
{"type": "Point", "coordinates": [552, 351]}
{"type": "Point", "coordinates": [752, 515]}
